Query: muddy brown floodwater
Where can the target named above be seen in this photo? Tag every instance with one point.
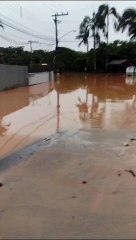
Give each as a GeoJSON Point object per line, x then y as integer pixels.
{"type": "Point", "coordinates": [85, 175]}
{"type": "Point", "coordinates": [71, 101]}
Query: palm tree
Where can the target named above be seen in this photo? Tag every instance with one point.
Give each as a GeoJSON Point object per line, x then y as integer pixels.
{"type": "Point", "coordinates": [89, 24]}
{"type": "Point", "coordinates": [84, 31]}
{"type": "Point", "coordinates": [102, 22]}
{"type": "Point", "coordinates": [128, 20]}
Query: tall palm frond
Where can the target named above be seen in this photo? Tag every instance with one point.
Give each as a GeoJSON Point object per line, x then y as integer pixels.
{"type": "Point", "coordinates": [128, 21]}
{"type": "Point", "coordinates": [101, 16]}
{"type": "Point", "coordinates": [102, 23]}
{"type": "Point", "coordinates": [84, 31]}
{"type": "Point", "coordinates": [89, 25]}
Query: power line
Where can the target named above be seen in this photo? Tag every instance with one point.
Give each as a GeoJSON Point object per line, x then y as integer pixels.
{"type": "Point", "coordinates": [25, 28]}
{"type": "Point", "coordinates": [28, 31]}
{"type": "Point", "coordinates": [20, 24]}
{"type": "Point", "coordinates": [24, 31]}
{"type": "Point", "coordinates": [10, 40]}
{"type": "Point", "coordinates": [39, 22]}
{"type": "Point", "coordinates": [36, 17]}
{"type": "Point", "coordinates": [15, 36]}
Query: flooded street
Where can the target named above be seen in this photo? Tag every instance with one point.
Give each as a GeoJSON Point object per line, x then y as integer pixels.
{"type": "Point", "coordinates": [70, 102]}
{"type": "Point", "coordinates": [81, 169]}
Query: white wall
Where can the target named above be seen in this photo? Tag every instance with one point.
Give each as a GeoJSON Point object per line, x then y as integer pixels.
{"type": "Point", "coordinates": [36, 78]}
{"type": "Point", "coordinates": [12, 76]}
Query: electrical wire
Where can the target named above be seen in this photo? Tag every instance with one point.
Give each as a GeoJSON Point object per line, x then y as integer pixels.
{"type": "Point", "coordinates": [28, 28]}
{"type": "Point", "coordinates": [42, 22]}
{"type": "Point", "coordinates": [28, 31]}
{"type": "Point", "coordinates": [23, 31]}
{"type": "Point", "coordinates": [11, 40]}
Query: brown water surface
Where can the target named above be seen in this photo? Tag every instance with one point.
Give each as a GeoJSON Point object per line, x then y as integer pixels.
{"type": "Point", "coordinates": [72, 101]}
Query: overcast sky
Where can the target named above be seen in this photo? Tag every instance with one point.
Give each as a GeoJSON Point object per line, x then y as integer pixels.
{"type": "Point", "coordinates": [34, 18]}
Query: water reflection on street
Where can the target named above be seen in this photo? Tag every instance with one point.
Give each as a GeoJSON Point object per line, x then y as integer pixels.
{"type": "Point", "coordinates": [72, 101]}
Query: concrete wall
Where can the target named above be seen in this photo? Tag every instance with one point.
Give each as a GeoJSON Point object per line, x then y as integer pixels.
{"type": "Point", "coordinates": [12, 76]}
{"type": "Point", "coordinates": [43, 77]}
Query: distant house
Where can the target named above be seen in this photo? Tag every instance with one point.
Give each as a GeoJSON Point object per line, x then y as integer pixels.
{"type": "Point", "coordinates": [131, 71]}
{"type": "Point", "coordinates": [118, 66]}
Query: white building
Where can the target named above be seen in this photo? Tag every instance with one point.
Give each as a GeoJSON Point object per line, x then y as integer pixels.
{"type": "Point", "coordinates": [131, 71]}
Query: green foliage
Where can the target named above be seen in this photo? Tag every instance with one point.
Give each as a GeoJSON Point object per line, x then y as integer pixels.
{"type": "Point", "coordinates": [70, 60]}
{"type": "Point", "coordinates": [128, 21]}
{"type": "Point", "coordinates": [104, 11]}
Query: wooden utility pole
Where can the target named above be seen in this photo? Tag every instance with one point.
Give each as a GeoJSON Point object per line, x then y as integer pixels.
{"type": "Point", "coordinates": [56, 26]}
{"type": "Point", "coordinates": [56, 34]}
{"type": "Point", "coordinates": [31, 42]}
{"type": "Point", "coordinates": [31, 50]}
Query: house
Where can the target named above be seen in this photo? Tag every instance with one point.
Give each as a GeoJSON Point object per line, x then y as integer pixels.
{"type": "Point", "coordinates": [131, 71]}
{"type": "Point", "coordinates": [118, 66]}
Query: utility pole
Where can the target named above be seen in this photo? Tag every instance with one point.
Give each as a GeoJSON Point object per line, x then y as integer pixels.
{"type": "Point", "coordinates": [56, 32]}
{"type": "Point", "coordinates": [31, 42]}
{"type": "Point", "coordinates": [56, 26]}
{"type": "Point", "coordinates": [31, 50]}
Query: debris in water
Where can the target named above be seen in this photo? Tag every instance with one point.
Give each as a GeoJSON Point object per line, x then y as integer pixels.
{"type": "Point", "coordinates": [126, 145]}
{"type": "Point", "coordinates": [73, 217]}
{"type": "Point", "coordinates": [84, 182]}
{"type": "Point", "coordinates": [1, 184]}
{"type": "Point", "coordinates": [132, 139]}
{"type": "Point", "coordinates": [130, 171]}
{"type": "Point", "coordinates": [119, 173]}
{"type": "Point", "coordinates": [73, 196]}
{"type": "Point", "coordinates": [47, 139]}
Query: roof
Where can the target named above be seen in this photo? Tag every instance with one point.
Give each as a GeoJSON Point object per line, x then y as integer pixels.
{"type": "Point", "coordinates": [117, 62]}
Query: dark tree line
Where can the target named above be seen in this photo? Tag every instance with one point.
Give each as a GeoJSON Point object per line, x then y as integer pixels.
{"type": "Point", "coordinates": [70, 60]}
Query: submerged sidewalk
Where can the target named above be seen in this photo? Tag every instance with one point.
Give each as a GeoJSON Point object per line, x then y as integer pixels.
{"type": "Point", "coordinates": [74, 185]}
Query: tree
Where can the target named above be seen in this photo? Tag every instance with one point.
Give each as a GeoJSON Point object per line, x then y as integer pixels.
{"type": "Point", "coordinates": [89, 24]}
{"type": "Point", "coordinates": [128, 21]}
{"type": "Point", "coordinates": [102, 22]}
{"type": "Point", "coordinates": [84, 31]}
